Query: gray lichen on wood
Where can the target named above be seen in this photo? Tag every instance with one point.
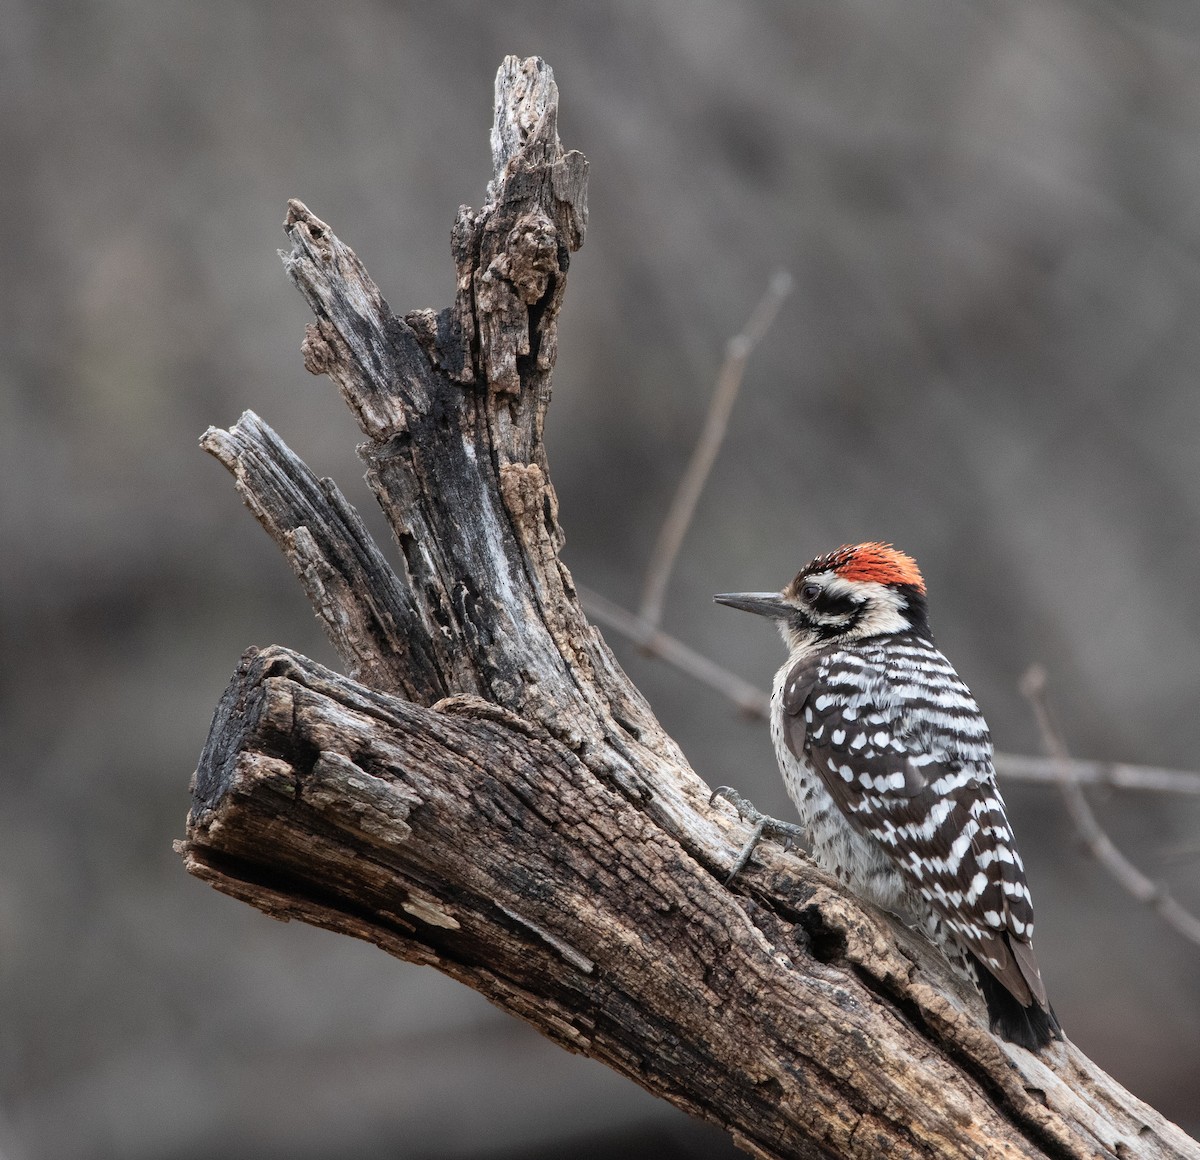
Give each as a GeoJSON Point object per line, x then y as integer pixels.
{"type": "Point", "coordinates": [486, 792]}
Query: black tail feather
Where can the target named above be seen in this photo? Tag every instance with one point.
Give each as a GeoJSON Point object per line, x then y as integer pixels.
{"type": "Point", "coordinates": [1031, 1027]}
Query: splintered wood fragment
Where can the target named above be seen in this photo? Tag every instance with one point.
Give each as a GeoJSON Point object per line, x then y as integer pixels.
{"type": "Point", "coordinates": [369, 614]}
{"type": "Point", "coordinates": [488, 794]}
{"type": "Point", "coordinates": [374, 357]}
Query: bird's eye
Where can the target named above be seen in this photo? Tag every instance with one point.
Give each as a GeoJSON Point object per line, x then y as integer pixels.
{"type": "Point", "coordinates": [810, 592]}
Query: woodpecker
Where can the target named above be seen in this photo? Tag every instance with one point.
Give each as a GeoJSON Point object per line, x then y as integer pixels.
{"type": "Point", "coordinates": [889, 762]}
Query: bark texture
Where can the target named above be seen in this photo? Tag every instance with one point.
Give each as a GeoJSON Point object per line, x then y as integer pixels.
{"type": "Point", "coordinates": [486, 792]}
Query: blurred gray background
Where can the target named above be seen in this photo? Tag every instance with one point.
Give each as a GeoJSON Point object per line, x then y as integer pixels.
{"type": "Point", "coordinates": [992, 212]}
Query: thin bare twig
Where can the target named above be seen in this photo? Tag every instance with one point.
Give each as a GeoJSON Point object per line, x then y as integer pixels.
{"type": "Point", "coordinates": [683, 506]}
{"type": "Point", "coordinates": [1180, 853]}
{"type": "Point", "coordinates": [654, 643]}
{"type": "Point", "coordinates": [1048, 770]}
{"type": "Point", "coordinates": [1099, 844]}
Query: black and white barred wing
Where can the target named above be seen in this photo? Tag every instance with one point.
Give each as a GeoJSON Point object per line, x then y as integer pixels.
{"type": "Point", "coordinates": [904, 752]}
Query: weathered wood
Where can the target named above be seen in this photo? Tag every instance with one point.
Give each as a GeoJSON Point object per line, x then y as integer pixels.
{"type": "Point", "coordinates": [492, 797]}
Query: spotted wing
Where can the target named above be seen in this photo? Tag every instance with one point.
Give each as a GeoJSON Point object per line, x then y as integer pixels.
{"type": "Point", "coordinates": [901, 746]}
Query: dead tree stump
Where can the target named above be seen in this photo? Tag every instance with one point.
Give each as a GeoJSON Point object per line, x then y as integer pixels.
{"type": "Point", "coordinates": [486, 792]}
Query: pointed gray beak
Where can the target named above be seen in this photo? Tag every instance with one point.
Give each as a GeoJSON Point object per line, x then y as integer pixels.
{"type": "Point", "coordinates": [760, 603]}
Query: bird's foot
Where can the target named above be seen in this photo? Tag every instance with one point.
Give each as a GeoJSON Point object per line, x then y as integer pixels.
{"type": "Point", "coordinates": [785, 833]}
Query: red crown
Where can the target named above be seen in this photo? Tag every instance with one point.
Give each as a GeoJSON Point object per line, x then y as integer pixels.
{"type": "Point", "coordinates": [874, 563]}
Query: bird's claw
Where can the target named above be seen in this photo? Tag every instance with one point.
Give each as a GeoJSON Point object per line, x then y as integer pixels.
{"type": "Point", "coordinates": [745, 808]}
{"type": "Point", "coordinates": [786, 834]}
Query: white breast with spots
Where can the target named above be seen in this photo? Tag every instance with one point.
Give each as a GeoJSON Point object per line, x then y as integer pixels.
{"type": "Point", "coordinates": [854, 858]}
